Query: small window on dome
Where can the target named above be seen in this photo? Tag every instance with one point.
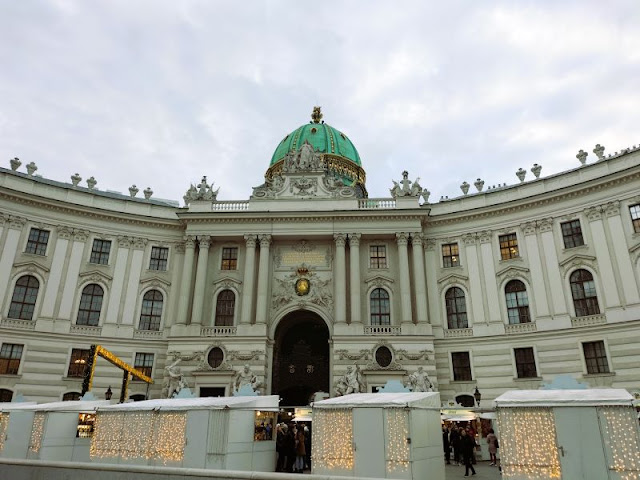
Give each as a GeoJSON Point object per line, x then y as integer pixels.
{"type": "Point", "coordinates": [314, 130]}
{"type": "Point", "coordinates": [342, 135]}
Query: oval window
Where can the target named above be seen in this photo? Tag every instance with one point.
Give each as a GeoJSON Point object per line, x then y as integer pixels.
{"type": "Point", "coordinates": [215, 357]}
{"type": "Point", "coordinates": [383, 356]}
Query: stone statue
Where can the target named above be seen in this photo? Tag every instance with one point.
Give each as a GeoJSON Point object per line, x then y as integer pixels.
{"type": "Point", "coordinates": [420, 382]}
{"type": "Point", "coordinates": [406, 188]}
{"type": "Point", "coordinates": [350, 382]}
{"type": "Point", "coordinates": [306, 156]}
{"type": "Point", "coordinates": [245, 377]}
{"type": "Point", "coordinates": [203, 191]}
{"type": "Point", "coordinates": [175, 381]}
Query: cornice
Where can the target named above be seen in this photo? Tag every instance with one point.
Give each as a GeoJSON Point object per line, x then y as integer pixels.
{"type": "Point", "coordinates": [91, 212]}
{"type": "Point", "coordinates": [301, 217]}
{"type": "Point", "coordinates": [541, 199]}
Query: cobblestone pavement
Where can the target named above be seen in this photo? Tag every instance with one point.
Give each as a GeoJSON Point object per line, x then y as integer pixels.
{"type": "Point", "coordinates": [483, 470]}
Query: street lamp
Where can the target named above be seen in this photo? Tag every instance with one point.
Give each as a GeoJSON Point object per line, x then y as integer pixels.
{"type": "Point", "coordinates": [108, 393]}
{"type": "Point", "coordinates": [477, 395]}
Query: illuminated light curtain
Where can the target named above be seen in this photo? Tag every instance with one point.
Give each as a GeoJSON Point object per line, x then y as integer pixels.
{"type": "Point", "coordinates": [4, 423]}
{"type": "Point", "coordinates": [37, 431]}
{"type": "Point", "coordinates": [332, 446]}
{"type": "Point", "coordinates": [146, 434]}
{"type": "Point", "coordinates": [397, 432]}
{"type": "Point", "coordinates": [619, 426]}
{"type": "Point", "coordinates": [528, 446]}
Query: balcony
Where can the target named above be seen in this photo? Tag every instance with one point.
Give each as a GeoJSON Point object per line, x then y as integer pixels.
{"type": "Point", "coordinates": [517, 328]}
{"type": "Point", "coordinates": [376, 203]}
{"type": "Point", "coordinates": [382, 330]}
{"type": "Point", "coordinates": [588, 320]}
{"type": "Point", "coordinates": [218, 331]}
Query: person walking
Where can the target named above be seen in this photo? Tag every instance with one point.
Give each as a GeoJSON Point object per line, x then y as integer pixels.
{"type": "Point", "coordinates": [467, 446]}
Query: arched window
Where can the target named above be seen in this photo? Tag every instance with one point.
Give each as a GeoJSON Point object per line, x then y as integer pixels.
{"type": "Point", "coordinates": [456, 308]}
{"type": "Point", "coordinates": [151, 312]}
{"type": "Point", "coordinates": [23, 301]}
{"type": "Point", "coordinates": [225, 308]}
{"type": "Point", "coordinates": [5, 395]}
{"type": "Point", "coordinates": [380, 307]}
{"type": "Point", "coordinates": [90, 305]}
{"type": "Point", "coordinates": [583, 291]}
{"type": "Point", "coordinates": [70, 396]}
{"type": "Point", "coordinates": [138, 397]}
{"type": "Point", "coordinates": [517, 302]}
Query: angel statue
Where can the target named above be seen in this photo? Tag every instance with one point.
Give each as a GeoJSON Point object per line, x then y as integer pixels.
{"type": "Point", "coordinates": [175, 381]}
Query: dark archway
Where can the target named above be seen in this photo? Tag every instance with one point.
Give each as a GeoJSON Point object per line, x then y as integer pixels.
{"type": "Point", "coordinates": [300, 358]}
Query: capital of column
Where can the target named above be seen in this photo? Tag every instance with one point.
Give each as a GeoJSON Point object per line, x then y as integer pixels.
{"type": "Point", "coordinates": [204, 241]}
{"type": "Point", "coordinates": [469, 239]}
{"type": "Point", "coordinates": [545, 225]}
{"type": "Point", "coordinates": [593, 213]}
{"type": "Point", "coordinates": [265, 240]}
{"type": "Point", "coordinates": [16, 222]}
{"type": "Point", "coordinates": [416, 239]}
{"type": "Point", "coordinates": [354, 239]}
{"type": "Point", "coordinates": [139, 243]}
{"type": "Point", "coordinates": [64, 232]}
{"type": "Point", "coordinates": [340, 239]}
{"type": "Point", "coordinates": [485, 236]}
{"type": "Point", "coordinates": [80, 235]}
{"type": "Point", "coordinates": [529, 228]}
{"type": "Point", "coordinates": [612, 209]}
{"type": "Point", "coordinates": [429, 243]}
{"type": "Point", "coordinates": [190, 241]}
{"type": "Point", "coordinates": [250, 241]}
{"type": "Point", "coordinates": [402, 238]}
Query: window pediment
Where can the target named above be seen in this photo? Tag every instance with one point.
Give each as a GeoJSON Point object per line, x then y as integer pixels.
{"type": "Point", "coordinates": [453, 278]}
{"type": "Point", "coordinates": [512, 271]}
{"type": "Point", "coordinates": [155, 281]}
{"type": "Point", "coordinates": [96, 275]}
{"type": "Point", "coordinates": [578, 260]}
{"type": "Point", "coordinates": [635, 252]}
{"type": "Point", "coordinates": [30, 267]}
{"type": "Point", "coordinates": [379, 280]}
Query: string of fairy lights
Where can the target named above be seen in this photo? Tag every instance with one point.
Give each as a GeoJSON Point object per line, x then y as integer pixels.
{"type": "Point", "coordinates": [332, 446]}
{"type": "Point", "coordinates": [37, 431]}
{"type": "Point", "coordinates": [528, 447]}
{"type": "Point", "coordinates": [4, 423]}
{"type": "Point", "coordinates": [148, 434]}
{"type": "Point", "coordinates": [397, 428]}
{"type": "Point", "coordinates": [622, 440]}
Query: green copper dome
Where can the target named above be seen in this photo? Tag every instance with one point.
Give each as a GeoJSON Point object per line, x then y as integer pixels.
{"type": "Point", "coordinates": [322, 137]}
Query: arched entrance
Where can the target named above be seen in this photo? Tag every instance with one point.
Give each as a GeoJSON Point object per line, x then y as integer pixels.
{"type": "Point", "coordinates": [300, 358]}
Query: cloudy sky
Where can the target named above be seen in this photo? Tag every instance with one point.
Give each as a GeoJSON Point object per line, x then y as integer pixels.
{"type": "Point", "coordinates": [159, 93]}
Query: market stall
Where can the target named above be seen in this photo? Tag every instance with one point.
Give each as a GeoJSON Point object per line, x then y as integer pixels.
{"type": "Point", "coordinates": [225, 433]}
{"type": "Point", "coordinates": [585, 434]}
{"type": "Point", "coordinates": [384, 435]}
{"type": "Point", "coordinates": [58, 431]}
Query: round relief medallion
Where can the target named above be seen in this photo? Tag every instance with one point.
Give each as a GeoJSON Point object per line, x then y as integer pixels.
{"type": "Point", "coordinates": [215, 357]}
{"type": "Point", "coordinates": [302, 286]}
{"type": "Point", "coordinates": [384, 356]}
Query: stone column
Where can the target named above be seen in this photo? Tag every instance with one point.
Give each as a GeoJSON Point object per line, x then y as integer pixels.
{"type": "Point", "coordinates": [187, 275]}
{"type": "Point", "coordinates": [135, 271]}
{"type": "Point", "coordinates": [8, 251]}
{"type": "Point", "coordinates": [535, 264]}
{"type": "Point", "coordinates": [432, 265]}
{"type": "Point", "coordinates": [73, 269]}
{"type": "Point", "coordinates": [604, 258]}
{"type": "Point", "coordinates": [340, 293]}
{"type": "Point", "coordinates": [405, 287]}
{"type": "Point", "coordinates": [420, 285]}
{"type": "Point", "coordinates": [248, 280]}
{"type": "Point", "coordinates": [487, 262]}
{"type": "Point", "coordinates": [263, 280]}
{"type": "Point", "coordinates": [201, 280]}
{"type": "Point", "coordinates": [475, 281]}
{"type": "Point", "coordinates": [354, 280]}
{"type": "Point", "coordinates": [57, 266]}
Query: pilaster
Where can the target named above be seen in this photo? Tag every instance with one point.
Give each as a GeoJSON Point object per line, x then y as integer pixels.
{"type": "Point", "coordinates": [354, 277]}
{"type": "Point", "coordinates": [248, 280]}
{"type": "Point", "coordinates": [204, 242]}
{"type": "Point", "coordinates": [402, 239]}
{"type": "Point", "coordinates": [263, 280]}
{"type": "Point", "coordinates": [340, 292]}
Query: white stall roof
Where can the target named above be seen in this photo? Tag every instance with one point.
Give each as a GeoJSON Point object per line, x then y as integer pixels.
{"type": "Point", "coordinates": [87, 406]}
{"type": "Point", "coordinates": [8, 406]}
{"type": "Point", "coordinates": [382, 400]}
{"type": "Point", "coordinates": [561, 398]}
{"type": "Point", "coordinates": [267, 402]}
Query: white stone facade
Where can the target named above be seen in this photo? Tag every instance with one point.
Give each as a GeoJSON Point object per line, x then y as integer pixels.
{"type": "Point", "coordinates": [304, 227]}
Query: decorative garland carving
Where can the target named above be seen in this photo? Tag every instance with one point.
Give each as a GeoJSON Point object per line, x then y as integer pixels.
{"type": "Point", "coordinates": [345, 355]}
{"type": "Point", "coordinates": [404, 355]}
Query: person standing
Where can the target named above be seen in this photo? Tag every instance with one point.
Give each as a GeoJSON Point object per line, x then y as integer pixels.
{"type": "Point", "coordinates": [467, 446]}
{"type": "Point", "coordinates": [301, 451]}
{"type": "Point", "coordinates": [492, 441]}
{"type": "Point", "coordinates": [446, 445]}
{"type": "Point", "coordinates": [454, 439]}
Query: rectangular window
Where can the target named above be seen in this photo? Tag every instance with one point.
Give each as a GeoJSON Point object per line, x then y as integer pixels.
{"type": "Point", "coordinates": [10, 355]}
{"type": "Point", "coordinates": [100, 252]}
{"type": "Point", "coordinates": [508, 246]}
{"type": "Point", "coordinates": [634, 210]}
{"type": "Point", "coordinates": [461, 366]}
{"type": "Point", "coordinates": [78, 362]}
{"type": "Point", "coordinates": [159, 256]}
{"type": "Point", "coordinates": [229, 258]}
{"type": "Point", "coordinates": [595, 356]}
{"type": "Point", "coordinates": [377, 256]}
{"type": "Point", "coordinates": [525, 362]}
{"type": "Point", "coordinates": [450, 255]}
{"type": "Point", "coordinates": [144, 363]}
{"type": "Point", "coordinates": [572, 234]}
{"type": "Point", "coordinates": [37, 242]}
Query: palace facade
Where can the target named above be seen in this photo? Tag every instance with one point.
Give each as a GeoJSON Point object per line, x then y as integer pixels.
{"type": "Point", "coordinates": [501, 288]}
